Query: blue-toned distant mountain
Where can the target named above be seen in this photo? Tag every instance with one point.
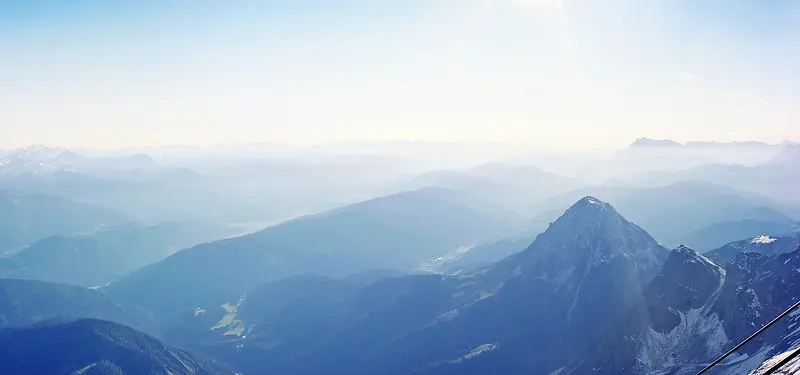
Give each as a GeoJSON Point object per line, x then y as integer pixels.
{"type": "Point", "coordinates": [593, 294]}
{"type": "Point", "coordinates": [245, 188]}
{"type": "Point", "coordinates": [24, 302]}
{"type": "Point", "coordinates": [670, 155]}
{"type": "Point", "coordinates": [42, 160]}
{"type": "Point", "coordinates": [774, 177]}
{"type": "Point", "coordinates": [231, 191]}
{"type": "Point", "coordinates": [96, 347]}
{"type": "Point", "coordinates": [102, 257]}
{"type": "Point", "coordinates": [717, 235]}
{"type": "Point", "coordinates": [790, 155]}
{"type": "Point", "coordinates": [532, 312]}
{"type": "Point", "coordinates": [515, 187]}
{"type": "Point", "coordinates": [689, 212]}
{"type": "Point", "coordinates": [394, 232]}
{"type": "Point", "coordinates": [762, 244]}
{"type": "Point", "coordinates": [26, 218]}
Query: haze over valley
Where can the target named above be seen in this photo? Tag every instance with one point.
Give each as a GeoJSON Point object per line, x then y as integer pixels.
{"type": "Point", "coordinates": [224, 256]}
{"type": "Point", "coordinates": [419, 187]}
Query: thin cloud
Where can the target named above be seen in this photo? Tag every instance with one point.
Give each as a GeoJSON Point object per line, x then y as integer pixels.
{"type": "Point", "coordinates": [687, 77]}
{"type": "Point", "coordinates": [756, 99]}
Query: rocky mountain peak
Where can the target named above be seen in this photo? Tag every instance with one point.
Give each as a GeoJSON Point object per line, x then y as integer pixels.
{"type": "Point", "coordinates": [683, 257]}
{"type": "Point", "coordinates": [589, 206]}
{"type": "Point", "coordinates": [687, 281]}
{"type": "Point", "coordinates": [593, 230]}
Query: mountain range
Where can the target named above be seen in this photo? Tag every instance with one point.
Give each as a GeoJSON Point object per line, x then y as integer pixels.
{"type": "Point", "coordinates": [105, 256]}
{"type": "Point", "coordinates": [96, 347]}
{"type": "Point", "coordinates": [514, 187]}
{"type": "Point", "coordinates": [694, 213]}
{"type": "Point", "coordinates": [394, 232]}
{"type": "Point", "coordinates": [762, 244]}
{"type": "Point", "coordinates": [590, 266]}
{"type": "Point", "coordinates": [259, 189]}
{"type": "Point", "coordinates": [26, 218]}
{"type": "Point", "coordinates": [39, 160]}
{"type": "Point", "coordinates": [25, 302]}
{"type": "Point", "coordinates": [594, 293]}
{"type": "Point", "coordinates": [695, 310]}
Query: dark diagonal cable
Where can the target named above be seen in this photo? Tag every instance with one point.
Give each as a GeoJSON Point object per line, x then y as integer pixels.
{"type": "Point", "coordinates": [735, 348]}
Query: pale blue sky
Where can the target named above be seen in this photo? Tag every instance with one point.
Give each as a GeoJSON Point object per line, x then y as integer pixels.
{"type": "Point", "coordinates": [544, 73]}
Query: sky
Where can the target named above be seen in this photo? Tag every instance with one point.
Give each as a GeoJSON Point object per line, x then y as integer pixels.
{"type": "Point", "coordinates": [544, 74]}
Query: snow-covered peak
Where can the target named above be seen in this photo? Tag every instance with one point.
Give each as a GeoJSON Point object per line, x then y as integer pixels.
{"type": "Point", "coordinates": [39, 152]}
{"type": "Point", "coordinates": [589, 206]}
{"type": "Point", "coordinates": [592, 201]}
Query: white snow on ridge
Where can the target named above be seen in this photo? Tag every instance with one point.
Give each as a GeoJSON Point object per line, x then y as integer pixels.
{"type": "Point", "coordinates": [792, 367]}
{"type": "Point", "coordinates": [658, 351]}
{"type": "Point", "coordinates": [665, 350]}
{"type": "Point", "coordinates": [763, 239]}
{"type": "Point", "coordinates": [485, 348]}
{"type": "Point", "coordinates": [743, 364]}
{"type": "Point", "coordinates": [755, 305]}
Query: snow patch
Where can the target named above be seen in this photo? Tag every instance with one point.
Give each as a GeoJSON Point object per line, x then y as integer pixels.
{"type": "Point", "coordinates": [755, 304]}
{"type": "Point", "coordinates": [85, 369]}
{"type": "Point", "coordinates": [742, 363]}
{"type": "Point", "coordinates": [658, 351]}
{"type": "Point", "coordinates": [763, 239]}
{"type": "Point", "coordinates": [792, 367]}
{"type": "Point", "coordinates": [485, 348]}
{"type": "Point", "coordinates": [664, 350]}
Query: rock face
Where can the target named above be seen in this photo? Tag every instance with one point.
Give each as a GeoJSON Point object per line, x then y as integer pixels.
{"type": "Point", "coordinates": [532, 312]}
{"type": "Point", "coordinates": [694, 311]}
{"type": "Point", "coordinates": [673, 325]}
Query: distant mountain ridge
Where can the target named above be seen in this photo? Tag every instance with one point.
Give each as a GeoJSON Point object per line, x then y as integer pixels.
{"type": "Point", "coordinates": [594, 294]}
{"type": "Point", "coordinates": [675, 213]}
{"type": "Point", "coordinates": [393, 232]}
{"type": "Point", "coordinates": [650, 142]}
{"type": "Point", "coordinates": [26, 218]}
{"type": "Point", "coordinates": [789, 155]}
{"type": "Point", "coordinates": [517, 188]}
{"type": "Point", "coordinates": [99, 258]}
{"type": "Point", "coordinates": [589, 266]}
{"type": "Point", "coordinates": [762, 244]}
{"type": "Point", "coordinates": [38, 159]}
{"type": "Point", "coordinates": [90, 346]}
{"type": "Point", "coordinates": [717, 235]}
{"type": "Point", "coordinates": [24, 302]}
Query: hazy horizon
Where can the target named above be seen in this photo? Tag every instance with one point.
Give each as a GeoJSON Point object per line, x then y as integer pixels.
{"type": "Point", "coordinates": [399, 187]}
{"type": "Point", "coordinates": [549, 75]}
